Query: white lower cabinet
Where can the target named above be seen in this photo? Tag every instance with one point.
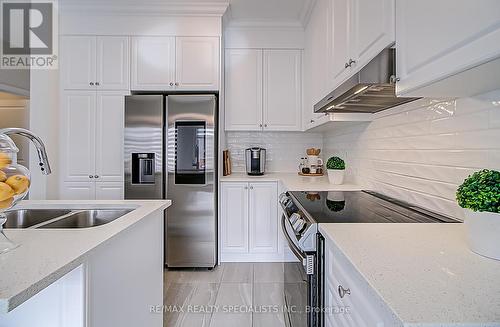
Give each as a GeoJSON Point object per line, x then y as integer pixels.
{"type": "Point", "coordinates": [92, 190]}
{"type": "Point", "coordinates": [349, 299]}
{"type": "Point", "coordinates": [249, 222]}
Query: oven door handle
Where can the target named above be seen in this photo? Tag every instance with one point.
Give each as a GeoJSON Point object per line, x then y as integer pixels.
{"type": "Point", "coordinates": [307, 260]}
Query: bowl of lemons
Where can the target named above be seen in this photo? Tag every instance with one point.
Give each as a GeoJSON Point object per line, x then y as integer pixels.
{"type": "Point", "coordinates": [14, 184]}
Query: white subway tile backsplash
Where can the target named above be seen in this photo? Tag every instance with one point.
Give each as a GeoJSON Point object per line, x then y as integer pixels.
{"type": "Point", "coordinates": [283, 149]}
{"type": "Point", "coordinates": [420, 152]}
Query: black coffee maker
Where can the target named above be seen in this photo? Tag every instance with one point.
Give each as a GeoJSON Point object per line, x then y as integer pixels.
{"type": "Point", "coordinates": [255, 161]}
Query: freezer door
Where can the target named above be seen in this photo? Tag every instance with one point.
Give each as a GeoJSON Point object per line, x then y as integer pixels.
{"type": "Point", "coordinates": [143, 147]}
{"type": "Point", "coordinates": [191, 181]}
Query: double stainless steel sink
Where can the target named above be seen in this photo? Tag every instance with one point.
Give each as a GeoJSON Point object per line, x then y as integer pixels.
{"type": "Point", "coordinates": [60, 218]}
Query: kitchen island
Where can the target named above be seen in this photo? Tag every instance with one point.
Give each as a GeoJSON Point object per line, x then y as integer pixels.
{"type": "Point", "coordinates": [116, 268]}
{"type": "Point", "coordinates": [409, 275]}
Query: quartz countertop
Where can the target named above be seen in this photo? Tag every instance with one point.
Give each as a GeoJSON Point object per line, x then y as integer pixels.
{"type": "Point", "coordinates": [45, 255]}
{"type": "Point", "coordinates": [293, 182]}
{"type": "Point", "coordinates": [425, 273]}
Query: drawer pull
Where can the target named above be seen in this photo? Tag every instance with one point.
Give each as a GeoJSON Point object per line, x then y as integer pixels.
{"type": "Point", "coordinates": [344, 291]}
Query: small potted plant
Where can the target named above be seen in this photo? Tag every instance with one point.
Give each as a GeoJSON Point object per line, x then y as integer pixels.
{"type": "Point", "coordinates": [479, 195]}
{"type": "Point", "coordinates": [336, 168]}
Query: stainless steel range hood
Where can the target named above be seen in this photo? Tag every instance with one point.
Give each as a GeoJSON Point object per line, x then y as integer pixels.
{"type": "Point", "coordinates": [371, 90]}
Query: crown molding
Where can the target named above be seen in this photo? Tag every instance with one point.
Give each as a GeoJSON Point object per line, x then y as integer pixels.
{"type": "Point", "coordinates": [178, 8]}
{"type": "Point", "coordinates": [263, 23]}
{"type": "Point", "coordinates": [305, 13]}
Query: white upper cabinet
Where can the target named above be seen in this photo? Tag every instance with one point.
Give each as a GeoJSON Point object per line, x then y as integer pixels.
{"type": "Point", "coordinates": [197, 63]}
{"type": "Point", "coordinates": [359, 30]}
{"type": "Point", "coordinates": [282, 90]}
{"type": "Point", "coordinates": [447, 47]}
{"type": "Point", "coordinates": [95, 63]}
{"type": "Point", "coordinates": [109, 136]}
{"type": "Point", "coordinates": [78, 135]}
{"type": "Point", "coordinates": [340, 40]}
{"type": "Point", "coordinates": [113, 63]}
{"type": "Point", "coordinates": [78, 61]}
{"type": "Point", "coordinates": [243, 83]}
{"type": "Point", "coordinates": [175, 63]}
{"type": "Point", "coordinates": [153, 63]}
{"type": "Point", "coordinates": [263, 90]}
{"type": "Point", "coordinates": [374, 28]}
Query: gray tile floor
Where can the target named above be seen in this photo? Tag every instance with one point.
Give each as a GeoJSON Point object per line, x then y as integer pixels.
{"type": "Point", "coordinates": [229, 295]}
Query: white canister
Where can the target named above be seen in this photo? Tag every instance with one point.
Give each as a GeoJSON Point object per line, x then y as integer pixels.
{"type": "Point", "coordinates": [336, 176]}
{"type": "Point", "coordinates": [483, 233]}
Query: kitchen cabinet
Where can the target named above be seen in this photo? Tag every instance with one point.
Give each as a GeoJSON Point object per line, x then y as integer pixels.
{"type": "Point", "coordinates": [358, 31]}
{"type": "Point", "coordinates": [175, 63]}
{"type": "Point", "coordinates": [95, 63]}
{"type": "Point", "coordinates": [153, 63]}
{"type": "Point", "coordinates": [263, 213]}
{"type": "Point", "coordinates": [249, 222]}
{"type": "Point", "coordinates": [234, 217]}
{"type": "Point", "coordinates": [109, 191]}
{"type": "Point", "coordinates": [263, 90]}
{"type": "Point", "coordinates": [92, 142]}
{"type": "Point", "coordinates": [455, 53]}
{"type": "Point", "coordinates": [282, 90]}
{"type": "Point", "coordinates": [197, 63]}
{"type": "Point", "coordinates": [351, 299]}
{"type": "Point", "coordinates": [243, 83]}
{"type": "Point", "coordinates": [315, 61]}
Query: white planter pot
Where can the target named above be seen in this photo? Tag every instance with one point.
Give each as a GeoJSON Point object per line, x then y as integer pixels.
{"type": "Point", "coordinates": [483, 233]}
{"type": "Point", "coordinates": [336, 176]}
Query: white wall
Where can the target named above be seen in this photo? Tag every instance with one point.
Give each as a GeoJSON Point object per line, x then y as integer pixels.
{"type": "Point", "coordinates": [421, 151]}
{"type": "Point", "coordinates": [284, 149]}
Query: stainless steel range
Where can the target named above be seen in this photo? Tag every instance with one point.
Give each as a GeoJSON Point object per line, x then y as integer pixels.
{"type": "Point", "coordinates": [303, 211]}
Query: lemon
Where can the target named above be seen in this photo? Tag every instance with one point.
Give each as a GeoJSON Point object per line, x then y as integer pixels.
{"type": "Point", "coordinates": [4, 160]}
{"type": "Point", "coordinates": [18, 183]}
{"type": "Point", "coordinates": [5, 191]}
{"type": "Point", "coordinates": [3, 176]}
{"type": "Point", "coordinates": [6, 203]}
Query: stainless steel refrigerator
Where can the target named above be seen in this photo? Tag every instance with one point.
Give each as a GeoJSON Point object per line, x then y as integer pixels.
{"type": "Point", "coordinates": [170, 153]}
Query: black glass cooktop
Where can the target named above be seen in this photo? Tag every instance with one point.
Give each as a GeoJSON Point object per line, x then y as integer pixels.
{"type": "Point", "coordinates": [362, 207]}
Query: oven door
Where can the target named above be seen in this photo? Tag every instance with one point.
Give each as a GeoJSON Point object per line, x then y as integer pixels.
{"type": "Point", "coordinates": [299, 287]}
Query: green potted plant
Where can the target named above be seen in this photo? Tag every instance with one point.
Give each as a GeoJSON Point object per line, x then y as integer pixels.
{"type": "Point", "coordinates": [479, 196]}
{"type": "Point", "coordinates": [336, 168]}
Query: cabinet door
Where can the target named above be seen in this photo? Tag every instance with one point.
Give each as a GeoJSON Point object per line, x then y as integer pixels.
{"type": "Point", "coordinates": [263, 217]}
{"type": "Point", "coordinates": [282, 100]}
{"type": "Point", "coordinates": [197, 63]}
{"type": "Point", "coordinates": [109, 191]}
{"type": "Point", "coordinates": [78, 191]}
{"type": "Point", "coordinates": [243, 84]}
{"type": "Point", "coordinates": [373, 30]}
{"type": "Point", "coordinates": [315, 60]}
{"type": "Point", "coordinates": [339, 41]}
{"type": "Point", "coordinates": [109, 136]}
{"type": "Point", "coordinates": [234, 217]}
{"type": "Point", "coordinates": [153, 62]}
{"type": "Point", "coordinates": [456, 36]}
{"type": "Point", "coordinates": [112, 63]}
{"type": "Point", "coordinates": [78, 62]}
{"type": "Point", "coordinates": [78, 135]}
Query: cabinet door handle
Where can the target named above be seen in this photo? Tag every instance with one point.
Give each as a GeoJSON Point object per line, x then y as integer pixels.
{"type": "Point", "coordinates": [312, 120]}
{"type": "Point", "coordinates": [344, 291]}
{"type": "Point", "coordinates": [251, 187]}
{"type": "Point", "coordinates": [171, 84]}
{"type": "Point", "coordinates": [91, 83]}
{"type": "Point", "coordinates": [96, 176]}
{"type": "Point", "coordinates": [265, 125]}
{"type": "Point", "coordinates": [176, 84]}
{"type": "Point", "coordinates": [260, 125]}
{"type": "Point", "coordinates": [97, 83]}
{"type": "Point", "coordinates": [91, 176]}
{"type": "Point", "coordinates": [349, 64]}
